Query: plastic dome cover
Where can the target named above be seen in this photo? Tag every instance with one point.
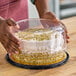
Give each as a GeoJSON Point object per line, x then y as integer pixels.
{"type": "Point", "coordinates": [41, 42]}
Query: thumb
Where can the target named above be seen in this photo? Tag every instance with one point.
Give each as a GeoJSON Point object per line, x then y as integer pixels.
{"type": "Point", "coordinates": [11, 22]}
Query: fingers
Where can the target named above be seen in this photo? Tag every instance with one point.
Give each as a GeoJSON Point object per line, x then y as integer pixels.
{"type": "Point", "coordinates": [66, 33]}
{"type": "Point", "coordinates": [49, 15]}
{"type": "Point", "coordinates": [13, 44]}
{"type": "Point", "coordinates": [13, 49]}
{"type": "Point", "coordinates": [10, 42]}
{"type": "Point", "coordinates": [52, 19]}
{"type": "Point", "coordinates": [13, 29]}
{"type": "Point", "coordinates": [11, 37]}
{"type": "Point", "coordinates": [10, 46]}
{"type": "Point", "coordinates": [12, 26]}
{"type": "Point", "coordinates": [63, 25]}
{"type": "Point", "coordinates": [11, 22]}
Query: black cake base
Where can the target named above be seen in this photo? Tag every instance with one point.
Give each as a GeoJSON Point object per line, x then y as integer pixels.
{"type": "Point", "coordinates": [37, 66]}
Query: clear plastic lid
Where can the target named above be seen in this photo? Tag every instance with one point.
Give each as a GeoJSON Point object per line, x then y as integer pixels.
{"type": "Point", "coordinates": [40, 36]}
{"type": "Point", "coordinates": [40, 41]}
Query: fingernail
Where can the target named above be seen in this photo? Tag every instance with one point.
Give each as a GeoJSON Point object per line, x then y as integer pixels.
{"type": "Point", "coordinates": [18, 42]}
{"type": "Point", "coordinates": [67, 41]}
{"type": "Point", "coordinates": [19, 47]}
{"type": "Point", "coordinates": [68, 37]}
{"type": "Point", "coordinates": [18, 26]}
{"type": "Point", "coordinates": [10, 54]}
{"type": "Point", "coordinates": [16, 52]}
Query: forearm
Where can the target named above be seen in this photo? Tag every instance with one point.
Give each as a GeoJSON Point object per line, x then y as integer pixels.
{"type": "Point", "coordinates": [42, 6]}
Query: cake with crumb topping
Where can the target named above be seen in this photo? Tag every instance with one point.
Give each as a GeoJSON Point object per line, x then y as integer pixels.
{"type": "Point", "coordinates": [40, 47]}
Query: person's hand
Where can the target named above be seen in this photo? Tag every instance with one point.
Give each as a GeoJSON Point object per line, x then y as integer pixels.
{"type": "Point", "coordinates": [8, 40]}
{"type": "Point", "coordinates": [55, 22]}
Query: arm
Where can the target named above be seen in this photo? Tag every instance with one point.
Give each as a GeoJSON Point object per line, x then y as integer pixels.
{"type": "Point", "coordinates": [42, 6]}
{"type": "Point", "coordinates": [43, 10]}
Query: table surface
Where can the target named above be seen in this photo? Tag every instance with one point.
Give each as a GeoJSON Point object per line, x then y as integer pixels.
{"type": "Point", "coordinates": [69, 69]}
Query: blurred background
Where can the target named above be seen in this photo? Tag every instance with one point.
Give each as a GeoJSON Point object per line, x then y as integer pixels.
{"type": "Point", "coordinates": [61, 8]}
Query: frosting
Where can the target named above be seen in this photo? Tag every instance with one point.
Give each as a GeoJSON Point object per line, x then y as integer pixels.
{"type": "Point", "coordinates": [40, 41]}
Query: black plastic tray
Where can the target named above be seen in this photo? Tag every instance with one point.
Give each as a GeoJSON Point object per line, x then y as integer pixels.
{"type": "Point", "coordinates": [37, 66]}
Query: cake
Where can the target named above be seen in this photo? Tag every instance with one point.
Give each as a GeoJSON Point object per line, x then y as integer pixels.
{"type": "Point", "coordinates": [40, 47]}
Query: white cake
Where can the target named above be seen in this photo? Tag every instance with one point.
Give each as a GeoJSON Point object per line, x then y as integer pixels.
{"type": "Point", "coordinates": [40, 41]}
